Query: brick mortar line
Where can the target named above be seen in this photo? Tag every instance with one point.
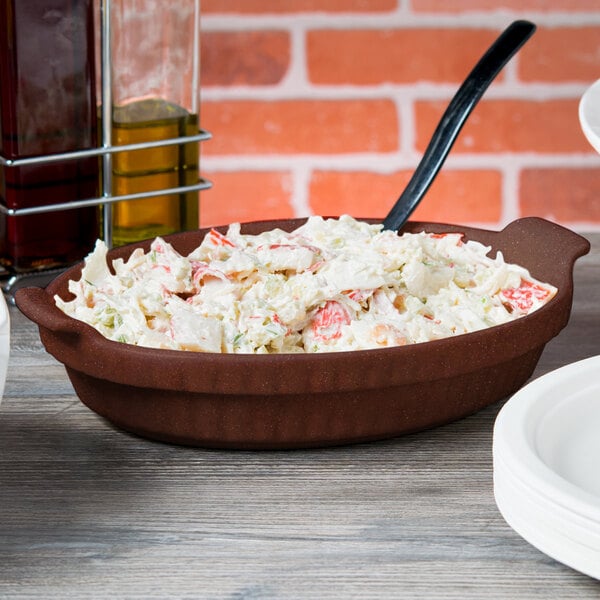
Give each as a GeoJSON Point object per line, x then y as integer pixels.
{"type": "Point", "coordinates": [299, 194]}
{"type": "Point", "coordinates": [288, 90]}
{"type": "Point", "coordinates": [509, 196]}
{"type": "Point", "coordinates": [399, 19]}
{"type": "Point", "coordinates": [297, 73]}
{"type": "Point", "coordinates": [407, 124]}
{"type": "Point", "coordinates": [390, 163]}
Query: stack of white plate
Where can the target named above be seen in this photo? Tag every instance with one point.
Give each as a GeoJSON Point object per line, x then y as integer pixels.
{"type": "Point", "coordinates": [589, 115]}
{"type": "Point", "coordinates": [546, 454]}
{"type": "Point", "coordinates": [4, 341]}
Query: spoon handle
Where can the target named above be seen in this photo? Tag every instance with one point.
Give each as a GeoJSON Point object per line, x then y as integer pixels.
{"type": "Point", "coordinates": [465, 99]}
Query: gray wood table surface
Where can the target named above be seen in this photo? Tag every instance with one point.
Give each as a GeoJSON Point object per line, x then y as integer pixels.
{"type": "Point", "coordinates": [87, 511]}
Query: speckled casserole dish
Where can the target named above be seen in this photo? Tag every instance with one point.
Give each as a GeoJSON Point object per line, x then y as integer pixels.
{"type": "Point", "coordinates": [311, 400]}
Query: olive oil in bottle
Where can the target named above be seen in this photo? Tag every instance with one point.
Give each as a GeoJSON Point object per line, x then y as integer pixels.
{"type": "Point", "coordinates": [155, 69]}
{"type": "Point", "coordinates": [154, 168]}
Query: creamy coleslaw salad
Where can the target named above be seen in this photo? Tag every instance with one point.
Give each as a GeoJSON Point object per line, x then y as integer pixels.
{"type": "Point", "coordinates": [330, 285]}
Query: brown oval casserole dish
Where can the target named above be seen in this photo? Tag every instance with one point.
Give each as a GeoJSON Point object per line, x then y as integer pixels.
{"type": "Point", "coordinates": [311, 400]}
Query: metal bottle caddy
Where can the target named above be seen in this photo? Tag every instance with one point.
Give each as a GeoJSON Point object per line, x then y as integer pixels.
{"type": "Point", "coordinates": [14, 281]}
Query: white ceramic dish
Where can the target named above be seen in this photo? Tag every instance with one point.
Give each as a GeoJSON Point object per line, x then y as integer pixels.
{"type": "Point", "coordinates": [546, 452]}
{"type": "Point", "coordinates": [4, 342]}
{"type": "Point", "coordinates": [589, 115]}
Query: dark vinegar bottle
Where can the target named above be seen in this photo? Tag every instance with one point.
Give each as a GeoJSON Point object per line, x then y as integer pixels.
{"type": "Point", "coordinates": [47, 106]}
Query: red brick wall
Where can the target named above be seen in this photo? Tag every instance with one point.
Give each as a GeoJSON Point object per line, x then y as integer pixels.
{"type": "Point", "coordinates": [325, 107]}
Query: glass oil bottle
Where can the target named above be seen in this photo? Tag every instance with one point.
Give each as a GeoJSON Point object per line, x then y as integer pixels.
{"type": "Point", "coordinates": [47, 106]}
{"type": "Point", "coordinates": [155, 87]}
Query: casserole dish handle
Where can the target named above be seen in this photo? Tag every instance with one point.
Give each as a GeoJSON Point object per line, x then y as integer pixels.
{"type": "Point", "coordinates": [38, 305]}
{"type": "Point", "coordinates": [529, 236]}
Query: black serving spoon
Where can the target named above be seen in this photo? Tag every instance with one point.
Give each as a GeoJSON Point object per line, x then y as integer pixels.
{"type": "Point", "coordinates": [465, 99]}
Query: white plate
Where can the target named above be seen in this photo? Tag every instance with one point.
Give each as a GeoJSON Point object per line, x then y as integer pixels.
{"type": "Point", "coordinates": [589, 115]}
{"type": "Point", "coordinates": [546, 452]}
{"type": "Point", "coordinates": [4, 342]}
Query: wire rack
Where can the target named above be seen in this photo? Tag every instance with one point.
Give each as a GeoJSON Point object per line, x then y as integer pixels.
{"type": "Point", "coordinates": [12, 281]}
